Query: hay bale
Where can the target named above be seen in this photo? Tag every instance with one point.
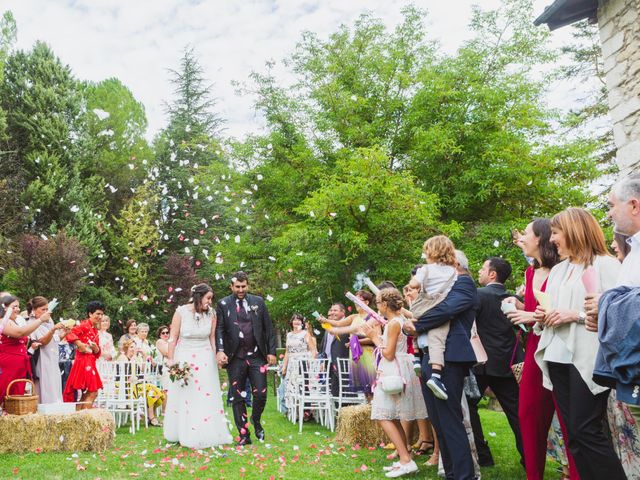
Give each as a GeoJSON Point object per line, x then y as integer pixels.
{"type": "Point", "coordinates": [86, 430]}
{"type": "Point", "coordinates": [356, 427]}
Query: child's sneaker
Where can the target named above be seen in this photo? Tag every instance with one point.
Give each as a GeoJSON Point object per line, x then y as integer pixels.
{"type": "Point", "coordinates": [417, 367]}
{"type": "Point", "coordinates": [437, 387]}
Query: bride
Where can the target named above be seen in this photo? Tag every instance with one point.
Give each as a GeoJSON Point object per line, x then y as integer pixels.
{"type": "Point", "coordinates": [195, 415]}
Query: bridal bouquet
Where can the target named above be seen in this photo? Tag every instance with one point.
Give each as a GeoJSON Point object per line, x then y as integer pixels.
{"type": "Point", "coordinates": [180, 372]}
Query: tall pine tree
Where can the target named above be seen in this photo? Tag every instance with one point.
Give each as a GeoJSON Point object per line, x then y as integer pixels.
{"type": "Point", "coordinates": [193, 181]}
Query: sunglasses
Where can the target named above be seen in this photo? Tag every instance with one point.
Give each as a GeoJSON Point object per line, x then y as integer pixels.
{"type": "Point", "coordinates": [166, 332]}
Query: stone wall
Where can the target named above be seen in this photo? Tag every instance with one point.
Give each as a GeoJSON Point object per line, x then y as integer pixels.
{"type": "Point", "coordinates": [619, 22]}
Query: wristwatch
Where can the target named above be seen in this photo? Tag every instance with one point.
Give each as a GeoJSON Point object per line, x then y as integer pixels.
{"type": "Point", "coordinates": [582, 317]}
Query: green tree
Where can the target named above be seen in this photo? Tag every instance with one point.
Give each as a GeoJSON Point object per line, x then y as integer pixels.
{"type": "Point", "coordinates": [11, 183]}
{"type": "Point", "coordinates": [8, 36]}
{"type": "Point", "coordinates": [364, 217]}
{"type": "Point", "coordinates": [201, 208]}
{"type": "Point", "coordinates": [471, 128]}
{"type": "Point", "coordinates": [360, 81]}
{"type": "Point", "coordinates": [40, 97]}
{"type": "Point", "coordinates": [482, 134]}
{"type": "Point", "coordinates": [113, 143]}
{"type": "Point", "coordinates": [136, 240]}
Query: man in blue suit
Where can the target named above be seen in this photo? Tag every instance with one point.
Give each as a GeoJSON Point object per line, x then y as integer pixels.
{"type": "Point", "coordinates": [459, 309]}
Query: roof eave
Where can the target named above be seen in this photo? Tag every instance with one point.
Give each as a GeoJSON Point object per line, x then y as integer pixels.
{"type": "Point", "coordinates": [556, 16]}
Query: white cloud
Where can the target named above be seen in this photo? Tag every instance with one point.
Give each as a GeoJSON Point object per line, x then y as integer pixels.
{"type": "Point", "coordinates": [138, 41]}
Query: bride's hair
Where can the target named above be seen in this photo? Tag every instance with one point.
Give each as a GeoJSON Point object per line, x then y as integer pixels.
{"type": "Point", "coordinates": [197, 293]}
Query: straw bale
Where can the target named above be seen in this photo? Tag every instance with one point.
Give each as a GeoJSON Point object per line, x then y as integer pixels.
{"type": "Point", "coordinates": [86, 430]}
{"type": "Point", "coordinates": [356, 427]}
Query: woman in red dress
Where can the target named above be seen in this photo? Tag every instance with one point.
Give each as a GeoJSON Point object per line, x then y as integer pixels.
{"type": "Point", "coordinates": [536, 403]}
{"type": "Point", "coordinates": [14, 334]}
{"type": "Point", "coordinates": [84, 374]}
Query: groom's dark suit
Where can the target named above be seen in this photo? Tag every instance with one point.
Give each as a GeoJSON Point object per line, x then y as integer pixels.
{"type": "Point", "coordinates": [245, 334]}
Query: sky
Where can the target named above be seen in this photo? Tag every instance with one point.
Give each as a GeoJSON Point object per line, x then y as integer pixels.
{"type": "Point", "coordinates": [137, 41]}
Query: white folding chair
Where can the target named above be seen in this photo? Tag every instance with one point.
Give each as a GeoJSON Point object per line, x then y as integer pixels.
{"type": "Point", "coordinates": [144, 377]}
{"type": "Point", "coordinates": [346, 394]}
{"type": "Point", "coordinates": [292, 395]}
{"type": "Point", "coordinates": [154, 375]}
{"type": "Point", "coordinates": [117, 396]}
{"type": "Point", "coordinates": [314, 392]}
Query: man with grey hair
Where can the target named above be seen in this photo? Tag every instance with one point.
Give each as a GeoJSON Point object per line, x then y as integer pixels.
{"type": "Point", "coordinates": [462, 266]}
{"type": "Point", "coordinates": [624, 211]}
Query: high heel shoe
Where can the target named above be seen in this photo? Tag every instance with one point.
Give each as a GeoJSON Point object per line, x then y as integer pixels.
{"type": "Point", "coordinates": [425, 447]}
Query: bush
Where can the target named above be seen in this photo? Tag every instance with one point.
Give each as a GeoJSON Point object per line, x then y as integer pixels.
{"type": "Point", "coordinates": [52, 267]}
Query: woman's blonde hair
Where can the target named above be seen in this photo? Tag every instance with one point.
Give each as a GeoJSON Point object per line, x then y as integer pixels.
{"type": "Point", "coordinates": [127, 344]}
{"type": "Point", "coordinates": [583, 236]}
{"type": "Point", "coordinates": [440, 249]}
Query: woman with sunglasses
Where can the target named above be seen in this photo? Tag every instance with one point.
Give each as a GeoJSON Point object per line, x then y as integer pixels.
{"type": "Point", "coordinates": [162, 346]}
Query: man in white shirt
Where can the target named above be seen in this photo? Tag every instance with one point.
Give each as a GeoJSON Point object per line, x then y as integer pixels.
{"type": "Point", "coordinates": [338, 347]}
{"type": "Point", "coordinates": [624, 211]}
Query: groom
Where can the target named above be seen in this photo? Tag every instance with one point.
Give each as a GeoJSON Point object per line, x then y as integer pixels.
{"type": "Point", "coordinates": [245, 343]}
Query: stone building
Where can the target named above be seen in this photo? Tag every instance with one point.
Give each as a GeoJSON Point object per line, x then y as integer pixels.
{"type": "Point", "coordinates": [619, 24]}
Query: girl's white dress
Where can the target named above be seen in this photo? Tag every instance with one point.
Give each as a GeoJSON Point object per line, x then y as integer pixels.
{"type": "Point", "coordinates": [195, 414]}
{"type": "Point", "coordinates": [408, 405]}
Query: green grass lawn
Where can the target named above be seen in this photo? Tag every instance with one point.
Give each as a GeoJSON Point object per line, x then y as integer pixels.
{"type": "Point", "coordinates": [285, 454]}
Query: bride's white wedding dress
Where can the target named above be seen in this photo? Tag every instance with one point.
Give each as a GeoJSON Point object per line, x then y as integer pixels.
{"type": "Point", "coordinates": [195, 414]}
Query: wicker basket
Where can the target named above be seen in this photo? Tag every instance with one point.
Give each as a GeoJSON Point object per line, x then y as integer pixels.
{"type": "Point", "coordinates": [21, 404]}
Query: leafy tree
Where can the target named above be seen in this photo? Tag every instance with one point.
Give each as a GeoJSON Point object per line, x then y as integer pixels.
{"type": "Point", "coordinates": [8, 36]}
{"type": "Point", "coordinates": [136, 242]}
{"type": "Point", "coordinates": [482, 133]}
{"type": "Point", "coordinates": [11, 184]}
{"type": "Point", "coordinates": [362, 80]}
{"type": "Point", "coordinates": [179, 276]}
{"type": "Point", "coordinates": [200, 201]}
{"type": "Point", "coordinates": [471, 129]}
{"type": "Point", "coordinates": [186, 147]}
{"type": "Point", "coordinates": [113, 144]}
{"type": "Point", "coordinates": [42, 103]}
{"type": "Point", "coordinates": [364, 217]}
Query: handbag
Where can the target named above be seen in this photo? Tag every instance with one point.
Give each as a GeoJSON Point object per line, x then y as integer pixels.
{"type": "Point", "coordinates": [478, 348]}
{"type": "Point", "coordinates": [517, 368]}
{"type": "Point", "coordinates": [425, 301]}
{"type": "Point", "coordinates": [391, 383]}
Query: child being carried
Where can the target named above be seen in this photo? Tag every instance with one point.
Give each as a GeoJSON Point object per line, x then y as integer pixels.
{"type": "Point", "coordinates": [434, 281]}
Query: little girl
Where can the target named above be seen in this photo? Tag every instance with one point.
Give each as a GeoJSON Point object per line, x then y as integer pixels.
{"type": "Point", "coordinates": [84, 374]}
{"type": "Point", "coordinates": [392, 408]}
{"type": "Point", "coordinates": [435, 279]}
